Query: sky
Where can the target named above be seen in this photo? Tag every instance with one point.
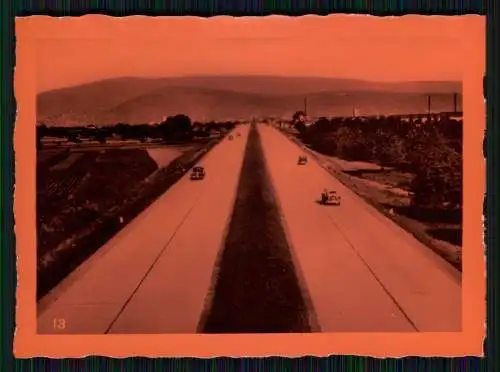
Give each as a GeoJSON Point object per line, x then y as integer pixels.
{"type": "Point", "coordinates": [72, 51]}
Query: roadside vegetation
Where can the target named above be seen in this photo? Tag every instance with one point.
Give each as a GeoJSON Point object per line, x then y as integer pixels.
{"type": "Point", "coordinates": [86, 193]}
{"type": "Point", "coordinates": [178, 129]}
{"type": "Point", "coordinates": [410, 168]}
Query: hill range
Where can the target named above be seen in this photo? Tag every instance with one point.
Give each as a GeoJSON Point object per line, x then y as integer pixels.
{"type": "Point", "coordinates": [204, 98]}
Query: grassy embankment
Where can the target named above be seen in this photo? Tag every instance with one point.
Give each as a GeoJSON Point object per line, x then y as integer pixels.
{"type": "Point", "coordinates": [85, 197]}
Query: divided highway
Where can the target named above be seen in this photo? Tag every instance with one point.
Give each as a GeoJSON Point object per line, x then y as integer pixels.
{"type": "Point", "coordinates": [252, 251]}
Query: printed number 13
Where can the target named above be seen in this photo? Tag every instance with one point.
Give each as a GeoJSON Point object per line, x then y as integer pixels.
{"type": "Point", "coordinates": [59, 323]}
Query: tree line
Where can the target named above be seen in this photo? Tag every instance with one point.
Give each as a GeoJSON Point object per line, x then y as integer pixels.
{"type": "Point", "coordinates": [430, 150]}
{"type": "Point", "coordinates": [177, 128]}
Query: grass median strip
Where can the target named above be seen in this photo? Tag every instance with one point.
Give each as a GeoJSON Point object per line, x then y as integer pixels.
{"type": "Point", "coordinates": [256, 289]}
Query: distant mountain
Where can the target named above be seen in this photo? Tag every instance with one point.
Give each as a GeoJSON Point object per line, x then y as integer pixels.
{"type": "Point", "coordinates": [142, 100]}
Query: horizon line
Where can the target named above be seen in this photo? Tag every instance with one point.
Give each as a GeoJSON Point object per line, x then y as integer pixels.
{"type": "Point", "coordinates": [249, 75]}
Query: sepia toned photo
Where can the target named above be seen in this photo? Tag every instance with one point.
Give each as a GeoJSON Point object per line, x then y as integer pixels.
{"type": "Point", "coordinates": [273, 177]}
{"type": "Point", "coordinates": [248, 185]}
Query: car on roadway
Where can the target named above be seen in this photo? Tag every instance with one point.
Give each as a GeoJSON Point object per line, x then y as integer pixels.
{"type": "Point", "coordinates": [230, 137]}
{"type": "Point", "coordinates": [302, 160]}
{"type": "Point", "coordinates": [330, 197]}
{"type": "Point", "coordinates": [197, 173]}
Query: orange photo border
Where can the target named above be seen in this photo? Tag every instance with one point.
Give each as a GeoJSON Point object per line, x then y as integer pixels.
{"type": "Point", "coordinates": [468, 342]}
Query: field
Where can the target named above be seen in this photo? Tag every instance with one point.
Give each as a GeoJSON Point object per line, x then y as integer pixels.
{"type": "Point", "coordinates": [389, 189]}
{"type": "Point", "coordinates": [85, 196]}
{"type": "Point", "coordinates": [80, 187]}
{"type": "Point", "coordinates": [164, 156]}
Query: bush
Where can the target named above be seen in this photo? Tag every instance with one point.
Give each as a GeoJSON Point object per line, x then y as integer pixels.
{"type": "Point", "coordinates": [177, 127]}
{"type": "Point", "coordinates": [438, 177]}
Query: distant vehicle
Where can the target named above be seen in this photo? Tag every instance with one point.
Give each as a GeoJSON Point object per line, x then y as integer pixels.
{"type": "Point", "coordinates": [198, 173]}
{"type": "Point", "coordinates": [230, 137]}
{"type": "Point", "coordinates": [302, 160]}
{"type": "Point", "coordinates": [238, 134]}
{"type": "Point", "coordinates": [330, 198]}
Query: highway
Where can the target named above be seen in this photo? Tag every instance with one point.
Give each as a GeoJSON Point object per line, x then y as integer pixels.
{"type": "Point", "coordinates": [362, 271]}
{"type": "Point", "coordinates": [153, 276]}
{"type": "Point", "coordinates": [356, 269]}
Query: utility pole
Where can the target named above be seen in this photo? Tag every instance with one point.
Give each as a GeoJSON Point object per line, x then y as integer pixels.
{"type": "Point", "coordinates": [429, 107]}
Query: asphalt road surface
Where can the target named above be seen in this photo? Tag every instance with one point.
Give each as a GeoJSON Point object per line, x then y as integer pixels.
{"type": "Point", "coordinates": [361, 270]}
{"type": "Point", "coordinates": [153, 276]}
{"type": "Point", "coordinates": [249, 249]}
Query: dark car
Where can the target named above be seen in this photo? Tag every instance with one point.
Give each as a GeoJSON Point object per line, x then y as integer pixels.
{"type": "Point", "coordinates": [330, 198]}
{"type": "Point", "coordinates": [197, 173]}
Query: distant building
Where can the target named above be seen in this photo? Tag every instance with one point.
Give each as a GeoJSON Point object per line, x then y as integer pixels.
{"type": "Point", "coordinates": [451, 115]}
{"type": "Point", "coordinates": [308, 122]}
{"type": "Point", "coordinates": [303, 118]}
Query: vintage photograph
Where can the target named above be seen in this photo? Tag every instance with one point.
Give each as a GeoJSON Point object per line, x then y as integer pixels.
{"type": "Point", "coordinates": [250, 175]}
